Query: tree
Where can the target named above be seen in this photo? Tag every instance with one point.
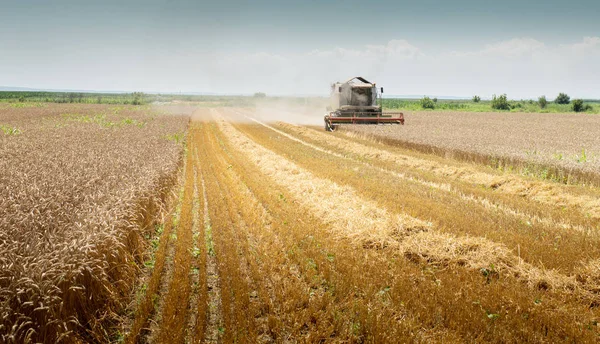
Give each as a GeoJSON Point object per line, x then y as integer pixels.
{"type": "Point", "coordinates": [562, 98]}
{"type": "Point", "coordinates": [579, 106]}
{"type": "Point", "coordinates": [542, 102]}
{"type": "Point", "coordinates": [259, 95]}
{"type": "Point", "coordinates": [500, 102]}
{"type": "Point", "coordinates": [138, 98]}
{"type": "Point", "coordinates": [476, 99]}
{"type": "Point", "coordinates": [427, 103]}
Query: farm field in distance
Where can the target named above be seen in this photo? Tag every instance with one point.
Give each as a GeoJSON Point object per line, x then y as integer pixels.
{"type": "Point", "coordinates": [563, 146]}
{"type": "Point", "coordinates": [189, 222]}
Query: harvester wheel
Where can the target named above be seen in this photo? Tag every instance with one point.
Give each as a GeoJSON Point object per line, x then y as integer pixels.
{"type": "Point", "coordinates": [329, 126]}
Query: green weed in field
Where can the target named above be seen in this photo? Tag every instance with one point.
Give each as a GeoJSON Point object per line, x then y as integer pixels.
{"type": "Point", "coordinates": [175, 137]}
{"type": "Point", "coordinates": [8, 130]}
{"type": "Point", "coordinates": [582, 158]}
{"type": "Point", "coordinates": [26, 105]}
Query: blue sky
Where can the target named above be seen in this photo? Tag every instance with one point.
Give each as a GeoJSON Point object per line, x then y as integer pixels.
{"type": "Point", "coordinates": [458, 48]}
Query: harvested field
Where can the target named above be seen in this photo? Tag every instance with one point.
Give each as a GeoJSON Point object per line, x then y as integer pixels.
{"type": "Point", "coordinates": [81, 188]}
{"type": "Point", "coordinates": [313, 236]}
{"type": "Point", "coordinates": [284, 233]}
{"type": "Point", "coordinates": [561, 146]}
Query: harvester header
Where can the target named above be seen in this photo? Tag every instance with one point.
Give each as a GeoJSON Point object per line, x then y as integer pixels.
{"type": "Point", "coordinates": [355, 102]}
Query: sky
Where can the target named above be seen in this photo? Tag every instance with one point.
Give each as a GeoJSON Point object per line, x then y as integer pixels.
{"type": "Point", "coordinates": [437, 48]}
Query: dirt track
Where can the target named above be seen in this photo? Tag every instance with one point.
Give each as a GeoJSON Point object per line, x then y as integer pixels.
{"type": "Point", "coordinates": [284, 233]}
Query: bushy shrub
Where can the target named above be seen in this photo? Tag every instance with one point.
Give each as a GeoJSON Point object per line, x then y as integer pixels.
{"type": "Point", "coordinates": [435, 100]}
{"type": "Point", "coordinates": [562, 98]}
{"type": "Point", "coordinates": [476, 99]}
{"type": "Point", "coordinates": [260, 95]}
{"type": "Point", "coordinates": [579, 106]}
{"type": "Point", "coordinates": [138, 98]}
{"type": "Point", "coordinates": [542, 102]}
{"type": "Point", "coordinates": [500, 102]}
{"type": "Point", "coordinates": [427, 103]}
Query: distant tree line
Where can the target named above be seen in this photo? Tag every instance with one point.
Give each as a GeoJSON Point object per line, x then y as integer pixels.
{"type": "Point", "coordinates": [501, 102]}
{"type": "Point", "coordinates": [135, 98]}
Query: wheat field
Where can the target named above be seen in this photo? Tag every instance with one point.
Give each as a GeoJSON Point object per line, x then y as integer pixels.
{"type": "Point", "coordinates": [81, 187]}
{"type": "Point", "coordinates": [259, 231]}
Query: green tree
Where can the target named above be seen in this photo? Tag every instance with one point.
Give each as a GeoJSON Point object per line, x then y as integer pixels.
{"type": "Point", "coordinates": [427, 103]}
{"type": "Point", "coordinates": [580, 106]}
{"type": "Point", "coordinates": [500, 102]}
{"type": "Point", "coordinates": [259, 95]}
{"type": "Point", "coordinates": [542, 102]}
{"type": "Point", "coordinates": [562, 98]}
{"type": "Point", "coordinates": [476, 99]}
{"type": "Point", "coordinates": [138, 98]}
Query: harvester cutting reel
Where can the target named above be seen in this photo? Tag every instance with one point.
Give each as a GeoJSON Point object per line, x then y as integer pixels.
{"type": "Point", "coordinates": [336, 118]}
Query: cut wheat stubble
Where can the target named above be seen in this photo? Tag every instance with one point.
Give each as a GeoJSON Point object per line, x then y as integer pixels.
{"type": "Point", "coordinates": [365, 223]}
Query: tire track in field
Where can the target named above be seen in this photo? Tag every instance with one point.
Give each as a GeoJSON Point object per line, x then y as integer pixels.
{"type": "Point", "coordinates": [485, 202]}
{"type": "Point", "coordinates": [174, 317]}
{"type": "Point", "coordinates": [214, 318]}
{"type": "Point", "coordinates": [209, 318]}
{"type": "Point", "coordinates": [148, 310]}
{"type": "Point", "coordinates": [197, 309]}
{"type": "Point", "coordinates": [329, 201]}
{"type": "Point", "coordinates": [146, 307]}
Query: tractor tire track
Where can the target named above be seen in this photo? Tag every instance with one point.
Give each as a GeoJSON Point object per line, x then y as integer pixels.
{"type": "Point", "coordinates": [174, 316]}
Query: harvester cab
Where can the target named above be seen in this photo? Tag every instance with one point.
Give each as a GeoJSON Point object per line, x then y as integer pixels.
{"type": "Point", "coordinates": [355, 102]}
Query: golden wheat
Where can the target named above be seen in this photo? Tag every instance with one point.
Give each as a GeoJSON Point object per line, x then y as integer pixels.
{"type": "Point", "coordinates": [81, 186]}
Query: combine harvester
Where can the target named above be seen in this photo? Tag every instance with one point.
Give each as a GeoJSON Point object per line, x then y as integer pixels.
{"type": "Point", "coordinates": [355, 102]}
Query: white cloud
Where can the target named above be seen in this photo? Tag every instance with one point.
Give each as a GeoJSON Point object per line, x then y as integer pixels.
{"type": "Point", "coordinates": [513, 48]}
{"type": "Point", "coordinates": [520, 67]}
{"type": "Point", "coordinates": [588, 44]}
{"type": "Point", "coordinates": [394, 48]}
